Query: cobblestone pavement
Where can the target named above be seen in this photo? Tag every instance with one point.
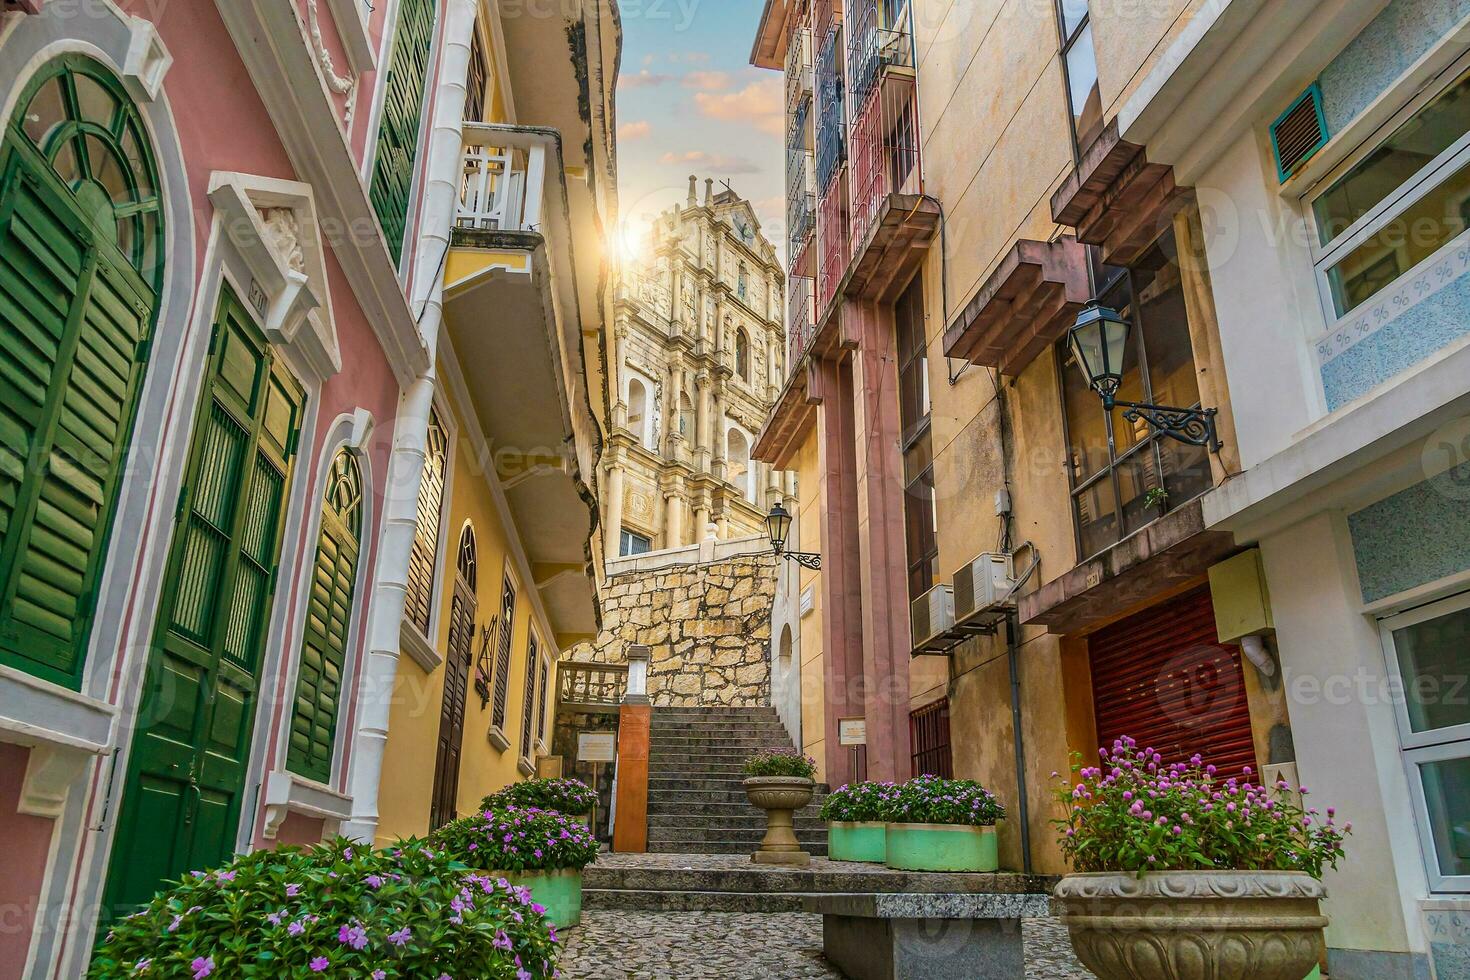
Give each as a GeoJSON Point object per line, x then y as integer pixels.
{"type": "Point", "coordinates": [743, 946]}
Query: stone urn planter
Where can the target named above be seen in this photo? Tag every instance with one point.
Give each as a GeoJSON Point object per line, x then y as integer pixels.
{"type": "Point", "coordinates": [941, 847]}
{"type": "Point", "coordinates": [780, 796]}
{"type": "Point", "coordinates": [860, 841]}
{"type": "Point", "coordinates": [1190, 925]}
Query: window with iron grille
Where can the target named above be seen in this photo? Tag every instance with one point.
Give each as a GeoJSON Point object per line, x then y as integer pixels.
{"type": "Point", "coordinates": [929, 736]}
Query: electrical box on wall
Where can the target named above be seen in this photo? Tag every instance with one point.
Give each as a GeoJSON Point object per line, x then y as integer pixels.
{"type": "Point", "coordinates": [1242, 603]}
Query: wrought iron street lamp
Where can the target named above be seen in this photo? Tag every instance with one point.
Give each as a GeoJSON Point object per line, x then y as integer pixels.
{"type": "Point", "coordinates": [778, 524]}
{"type": "Point", "coordinates": [1099, 341]}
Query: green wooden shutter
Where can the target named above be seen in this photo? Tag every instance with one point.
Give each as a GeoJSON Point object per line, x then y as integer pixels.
{"type": "Point", "coordinates": [186, 774]}
{"type": "Point", "coordinates": [502, 653]}
{"type": "Point", "coordinates": [528, 718]}
{"type": "Point", "coordinates": [75, 324]}
{"type": "Point", "coordinates": [419, 603]}
{"type": "Point", "coordinates": [328, 619]}
{"type": "Point", "coordinates": [398, 134]}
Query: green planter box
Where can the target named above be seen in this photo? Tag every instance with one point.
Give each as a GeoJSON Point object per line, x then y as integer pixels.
{"type": "Point", "coordinates": [559, 891]}
{"type": "Point", "coordinates": [865, 842]}
{"type": "Point", "coordinates": [941, 847]}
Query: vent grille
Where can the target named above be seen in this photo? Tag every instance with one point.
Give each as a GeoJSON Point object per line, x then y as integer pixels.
{"type": "Point", "coordinates": [1299, 133]}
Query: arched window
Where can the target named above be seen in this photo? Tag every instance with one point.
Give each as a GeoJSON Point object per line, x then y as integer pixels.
{"type": "Point", "coordinates": [463, 609]}
{"type": "Point", "coordinates": [328, 620]}
{"type": "Point", "coordinates": [420, 600]}
{"type": "Point", "coordinates": [742, 354]}
{"type": "Point", "coordinates": [640, 419]}
{"type": "Point", "coordinates": [739, 471]}
{"type": "Point", "coordinates": [80, 274]}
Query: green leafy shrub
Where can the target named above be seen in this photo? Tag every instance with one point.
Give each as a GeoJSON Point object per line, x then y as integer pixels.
{"type": "Point", "coordinates": [570, 796]}
{"type": "Point", "coordinates": [1135, 814]}
{"type": "Point", "coordinates": [782, 763]}
{"type": "Point", "coordinates": [337, 909]}
{"type": "Point", "coordinates": [858, 802]}
{"type": "Point", "coordinates": [932, 799]}
{"type": "Point", "coordinates": [513, 838]}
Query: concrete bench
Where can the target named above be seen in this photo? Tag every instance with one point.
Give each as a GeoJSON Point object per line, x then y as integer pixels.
{"type": "Point", "coordinates": [927, 936]}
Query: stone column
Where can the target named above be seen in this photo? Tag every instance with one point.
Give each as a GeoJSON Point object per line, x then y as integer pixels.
{"type": "Point", "coordinates": [673, 520]}
{"type": "Point", "coordinates": [612, 546]}
{"type": "Point", "coordinates": [880, 521]}
{"type": "Point", "coordinates": [842, 597]}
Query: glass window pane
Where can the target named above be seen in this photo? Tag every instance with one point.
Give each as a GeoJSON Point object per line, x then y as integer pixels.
{"type": "Point", "coordinates": [1087, 426]}
{"type": "Point", "coordinates": [1447, 798]}
{"type": "Point", "coordinates": [1083, 90]}
{"type": "Point", "coordinates": [1413, 145]}
{"type": "Point", "coordinates": [1434, 660]}
{"type": "Point", "coordinates": [1138, 479]}
{"type": "Point", "coordinates": [107, 170]}
{"type": "Point", "coordinates": [1186, 471]}
{"type": "Point", "coordinates": [1097, 517]}
{"type": "Point", "coordinates": [97, 104]}
{"type": "Point", "coordinates": [1072, 13]}
{"type": "Point", "coordinates": [1165, 326]}
{"type": "Point", "coordinates": [47, 109]}
{"type": "Point", "coordinates": [132, 150]}
{"type": "Point", "coordinates": [1416, 234]}
{"type": "Point", "coordinates": [917, 459]}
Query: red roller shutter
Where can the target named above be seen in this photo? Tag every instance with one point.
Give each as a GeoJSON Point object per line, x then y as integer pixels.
{"type": "Point", "coordinates": [1164, 678]}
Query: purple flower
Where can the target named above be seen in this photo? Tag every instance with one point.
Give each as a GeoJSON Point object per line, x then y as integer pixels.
{"type": "Point", "coordinates": [319, 965]}
{"type": "Point", "coordinates": [356, 936]}
{"type": "Point", "coordinates": [502, 941]}
{"type": "Point", "coordinates": [145, 964]}
{"type": "Point", "coordinates": [400, 937]}
{"type": "Point", "coordinates": [202, 966]}
{"type": "Point", "coordinates": [296, 928]}
{"type": "Point", "coordinates": [292, 891]}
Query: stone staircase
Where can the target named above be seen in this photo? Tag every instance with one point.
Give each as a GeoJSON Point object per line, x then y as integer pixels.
{"type": "Point", "coordinates": [696, 803]}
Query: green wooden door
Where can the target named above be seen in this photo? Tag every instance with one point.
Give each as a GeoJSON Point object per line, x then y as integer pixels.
{"type": "Point", "coordinates": [181, 798]}
{"type": "Point", "coordinates": [76, 319]}
{"type": "Point", "coordinates": [328, 622]}
{"type": "Point", "coordinates": [403, 105]}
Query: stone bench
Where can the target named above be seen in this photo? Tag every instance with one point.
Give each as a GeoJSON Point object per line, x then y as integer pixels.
{"type": "Point", "coordinates": [927, 936]}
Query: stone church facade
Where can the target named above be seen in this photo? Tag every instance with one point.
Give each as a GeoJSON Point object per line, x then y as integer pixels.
{"type": "Point", "coordinates": [698, 357]}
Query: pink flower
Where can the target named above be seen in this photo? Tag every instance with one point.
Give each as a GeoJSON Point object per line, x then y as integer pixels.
{"type": "Point", "coordinates": [319, 965]}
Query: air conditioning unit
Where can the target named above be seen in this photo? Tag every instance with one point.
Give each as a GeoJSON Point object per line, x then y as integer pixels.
{"type": "Point", "coordinates": [984, 584]}
{"type": "Point", "coordinates": [931, 614]}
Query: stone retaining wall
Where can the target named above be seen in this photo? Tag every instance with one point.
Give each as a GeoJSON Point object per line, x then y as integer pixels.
{"type": "Point", "coordinates": [709, 627]}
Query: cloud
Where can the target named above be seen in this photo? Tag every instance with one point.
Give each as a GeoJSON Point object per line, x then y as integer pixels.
{"type": "Point", "coordinates": [716, 163]}
{"type": "Point", "coordinates": [644, 79]}
{"type": "Point", "coordinates": [758, 104]}
{"type": "Point", "coordinates": [689, 57]}
{"type": "Point", "coordinates": [635, 130]}
{"type": "Point", "coordinates": [708, 81]}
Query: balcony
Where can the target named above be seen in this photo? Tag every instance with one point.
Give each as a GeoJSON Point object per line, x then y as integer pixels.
{"type": "Point", "coordinates": [508, 277]}
{"type": "Point", "coordinates": [831, 118]}
{"type": "Point", "coordinates": [879, 45]}
{"type": "Point", "coordinates": [832, 244]}
{"type": "Point", "coordinates": [799, 323]}
{"type": "Point", "coordinates": [799, 70]}
{"type": "Point", "coordinates": [587, 686]}
{"type": "Point", "coordinates": [801, 204]}
{"type": "Point", "coordinates": [885, 158]}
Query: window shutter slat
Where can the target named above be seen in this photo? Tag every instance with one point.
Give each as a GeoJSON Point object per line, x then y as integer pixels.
{"type": "Point", "coordinates": [398, 134]}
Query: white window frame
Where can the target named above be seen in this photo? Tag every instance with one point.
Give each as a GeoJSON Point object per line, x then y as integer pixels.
{"type": "Point", "coordinates": [1428, 178]}
{"type": "Point", "coordinates": [1419, 748]}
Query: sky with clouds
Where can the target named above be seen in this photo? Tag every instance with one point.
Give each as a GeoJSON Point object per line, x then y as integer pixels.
{"type": "Point", "coordinates": [690, 103]}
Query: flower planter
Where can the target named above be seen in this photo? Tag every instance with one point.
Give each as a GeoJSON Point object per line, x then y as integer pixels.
{"type": "Point", "coordinates": [560, 891]}
{"type": "Point", "coordinates": [941, 847]}
{"type": "Point", "coordinates": [864, 842]}
{"type": "Point", "coordinates": [780, 796]}
{"type": "Point", "coordinates": [1222, 924]}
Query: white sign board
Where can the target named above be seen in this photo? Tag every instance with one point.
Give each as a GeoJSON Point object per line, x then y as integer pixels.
{"type": "Point", "coordinates": [852, 731]}
{"type": "Point", "coordinates": [597, 746]}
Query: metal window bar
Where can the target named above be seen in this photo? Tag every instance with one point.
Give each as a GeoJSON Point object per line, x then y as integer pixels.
{"type": "Point", "coordinates": [798, 69]}
{"type": "Point", "coordinates": [831, 121]}
{"type": "Point", "coordinates": [929, 735]}
{"type": "Point", "coordinates": [798, 319]}
{"type": "Point", "coordinates": [832, 240]}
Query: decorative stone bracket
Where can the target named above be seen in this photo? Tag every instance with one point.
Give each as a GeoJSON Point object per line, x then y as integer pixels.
{"type": "Point", "coordinates": [64, 730]}
{"type": "Point", "coordinates": [273, 224]}
{"type": "Point", "coordinates": [286, 793]}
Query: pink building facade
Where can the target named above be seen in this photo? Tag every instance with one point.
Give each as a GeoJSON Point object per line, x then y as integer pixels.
{"type": "Point", "coordinates": [236, 146]}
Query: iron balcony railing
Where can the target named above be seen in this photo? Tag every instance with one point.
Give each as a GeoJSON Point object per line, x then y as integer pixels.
{"type": "Point", "coordinates": [831, 120]}
{"type": "Point", "coordinates": [799, 326]}
{"type": "Point", "coordinates": [798, 69]}
{"type": "Point", "coordinates": [885, 158]}
{"type": "Point", "coordinates": [832, 242]}
{"type": "Point", "coordinates": [503, 178]}
{"type": "Point", "coordinates": [878, 38]}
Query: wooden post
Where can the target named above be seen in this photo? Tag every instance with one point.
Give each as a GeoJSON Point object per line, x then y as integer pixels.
{"type": "Point", "coordinates": [630, 834]}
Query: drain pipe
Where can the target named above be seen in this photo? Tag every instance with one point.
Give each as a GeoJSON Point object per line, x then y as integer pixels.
{"type": "Point", "coordinates": [1013, 653]}
{"type": "Point", "coordinates": [406, 462]}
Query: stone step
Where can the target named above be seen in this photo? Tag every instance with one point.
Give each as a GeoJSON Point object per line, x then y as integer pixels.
{"type": "Point", "coordinates": [760, 715]}
{"type": "Point", "coordinates": [616, 900]}
{"type": "Point", "coordinates": [722, 740]}
{"type": "Point", "coordinates": [824, 878]}
{"type": "Point", "coordinates": [695, 838]}
{"type": "Point", "coordinates": [813, 848]}
{"type": "Point", "coordinates": [716, 807]}
{"type": "Point", "coordinates": [699, 761]}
